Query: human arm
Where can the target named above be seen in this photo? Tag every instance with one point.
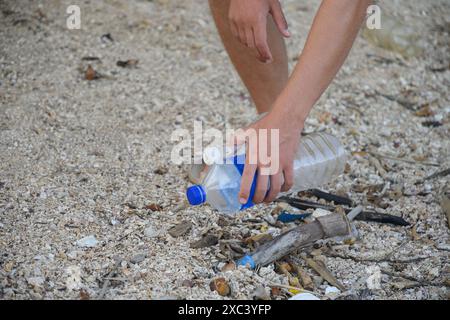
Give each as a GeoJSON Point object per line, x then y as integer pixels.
{"type": "Point", "coordinates": [331, 37]}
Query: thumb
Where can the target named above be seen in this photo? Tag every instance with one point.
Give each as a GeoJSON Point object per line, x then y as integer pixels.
{"type": "Point", "coordinates": [279, 18]}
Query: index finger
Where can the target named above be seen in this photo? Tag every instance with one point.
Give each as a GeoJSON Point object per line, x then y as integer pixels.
{"type": "Point", "coordinates": [248, 174]}
{"type": "Point", "coordinates": [260, 35]}
{"type": "Point", "coordinates": [246, 183]}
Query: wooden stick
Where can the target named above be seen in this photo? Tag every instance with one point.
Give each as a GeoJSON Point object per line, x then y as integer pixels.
{"type": "Point", "coordinates": [329, 226]}
{"type": "Point", "coordinates": [324, 273]}
{"type": "Point", "coordinates": [382, 218]}
{"type": "Point", "coordinates": [438, 174]}
{"type": "Point", "coordinates": [391, 157]}
{"type": "Point", "coordinates": [305, 279]}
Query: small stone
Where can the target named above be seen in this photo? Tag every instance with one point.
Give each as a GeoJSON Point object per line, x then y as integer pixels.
{"type": "Point", "coordinates": [373, 281]}
{"type": "Point", "coordinates": [160, 171]}
{"type": "Point", "coordinates": [320, 213]}
{"type": "Point", "coordinates": [151, 232]}
{"type": "Point", "coordinates": [84, 295]}
{"type": "Point", "coordinates": [187, 283]}
{"type": "Point", "coordinates": [404, 284]}
{"type": "Point", "coordinates": [332, 292]}
{"type": "Point", "coordinates": [36, 282]}
{"type": "Point", "coordinates": [261, 294]}
{"type": "Point", "coordinates": [8, 266]}
{"type": "Point", "coordinates": [73, 280]}
{"type": "Point", "coordinates": [138, 258]}
{"type": "Point", "coordinates": [318, 280]}
{"type": "Point", "coordinates": [270, 219]}
{"type": "Point", "coordinates": [223, 221]}
{"type": "Point", "coordinates": [434, 272]}
{"type": "Point", "coordinates": [87, 242]}
{"type": "Point", "coordinates": [180, 229]}
{"type": "Point", "coordinates": [207, 241]}
{"type": "Point", "coordinates": [73, 254]}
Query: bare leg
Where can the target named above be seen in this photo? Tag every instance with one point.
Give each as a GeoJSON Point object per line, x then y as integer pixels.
{"type": "Point", "coordinates": [263, 81]}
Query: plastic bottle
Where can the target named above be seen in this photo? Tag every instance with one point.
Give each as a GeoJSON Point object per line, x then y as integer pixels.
{"type": "Point", "coordinates": [319, 158]}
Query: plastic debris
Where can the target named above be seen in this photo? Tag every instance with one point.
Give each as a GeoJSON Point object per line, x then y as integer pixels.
{"type": "Point", "coordinates": [87, 242]}
{"type": "Point", "coordinates": [285, 216]}
{"type": "Point", "coordinates": [352, 214]}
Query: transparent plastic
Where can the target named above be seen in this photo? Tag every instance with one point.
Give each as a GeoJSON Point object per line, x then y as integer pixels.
{"type": "Point", "coordinates": [222, 186]}
{"type": "Point", "coordinates": [320, 158]}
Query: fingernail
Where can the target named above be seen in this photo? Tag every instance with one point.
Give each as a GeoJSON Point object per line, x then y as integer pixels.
{"type": "Point", "coordinates": [242, 200]}
{"type": "Point", "coordinates": [287, 32]}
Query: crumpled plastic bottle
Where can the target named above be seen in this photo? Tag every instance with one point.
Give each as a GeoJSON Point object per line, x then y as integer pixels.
{"type": "Point", "coordinates": [319, 158]}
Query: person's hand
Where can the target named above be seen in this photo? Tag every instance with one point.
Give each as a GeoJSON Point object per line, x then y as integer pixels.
{"type": "Point", "coordinates": [280, 174]}
{"type": "Point", "coordinates": [248, 23]}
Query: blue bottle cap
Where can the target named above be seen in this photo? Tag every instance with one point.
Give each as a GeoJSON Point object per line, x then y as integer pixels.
{"type": "Point", "coordinates": [246, 260]}
{"type": "Point", "coordinates": [196, 195]}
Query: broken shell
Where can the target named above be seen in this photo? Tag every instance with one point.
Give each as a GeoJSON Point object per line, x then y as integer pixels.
{"type": "Point", "coordinates": [221, 286]}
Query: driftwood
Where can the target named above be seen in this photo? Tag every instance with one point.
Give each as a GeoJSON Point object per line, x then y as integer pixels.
{"type": "Point", "coordinates": [322, 270]}
{"type": "Point", "coordinates": [328, 226]}
{"type": "Point", "coordinates": [382, 218]}
{"type": "Point", "coordinates": [438, 174]}
{"type": "Point", "coordinates": [363, 216]}
{"type": "Point", "coordinates": [305, 279]}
